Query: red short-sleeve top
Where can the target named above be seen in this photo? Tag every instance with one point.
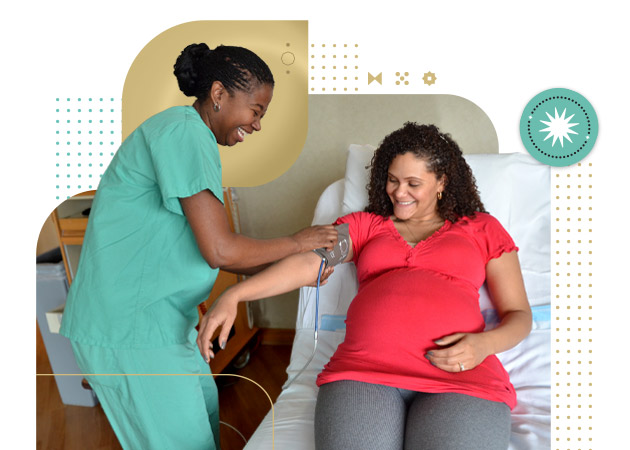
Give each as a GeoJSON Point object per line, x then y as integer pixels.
{"type": "Point", "coordinates": [411, 296]}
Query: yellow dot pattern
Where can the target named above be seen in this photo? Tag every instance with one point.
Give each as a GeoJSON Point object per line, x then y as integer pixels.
{"type": "Point", "coordinates": [400, 78]}
{"type": "Point", "coordinates": [333, 68]}
{"type": "Point", "coordinates": [572, 307]}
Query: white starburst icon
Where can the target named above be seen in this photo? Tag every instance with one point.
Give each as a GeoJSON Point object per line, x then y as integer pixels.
{"type": "Point", "coordinates": [559, 127]}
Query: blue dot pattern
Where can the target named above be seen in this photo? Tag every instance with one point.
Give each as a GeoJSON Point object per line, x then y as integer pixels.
{"type": "Point", "coordinates": [87, 135]}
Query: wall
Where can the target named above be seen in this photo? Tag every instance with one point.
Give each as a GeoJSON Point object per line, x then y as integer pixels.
{"type": "Point", "coordinates": [286, 204]}
{"type": "Point", "coordinates": [47, 237]}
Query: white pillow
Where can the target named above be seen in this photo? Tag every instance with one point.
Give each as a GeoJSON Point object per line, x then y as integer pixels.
{"type": "Point", "coordinates": [355, 197]}
{"type": "Point", "coordinates": [514, 188]}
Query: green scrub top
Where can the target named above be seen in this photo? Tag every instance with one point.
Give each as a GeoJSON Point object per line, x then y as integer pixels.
{"type": "Point", "coordinates": [141, 274]}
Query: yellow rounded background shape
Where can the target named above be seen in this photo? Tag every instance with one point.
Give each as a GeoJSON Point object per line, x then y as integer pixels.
{"type": "Point", "coordinates": [151, 87]}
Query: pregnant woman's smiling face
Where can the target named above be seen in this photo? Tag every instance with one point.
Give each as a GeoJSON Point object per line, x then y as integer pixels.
{"type": "Point", "coordinates": [412, 188]}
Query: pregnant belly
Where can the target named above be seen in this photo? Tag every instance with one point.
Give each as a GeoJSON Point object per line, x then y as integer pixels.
{"type": "Point", "coordinates": [403, 312]}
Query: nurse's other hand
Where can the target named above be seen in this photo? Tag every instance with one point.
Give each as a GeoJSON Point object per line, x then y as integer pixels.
{"type": "Point", "coordinates": [221, 315]}
{"type": "Point", "coordinates": [328, 271]}
{"type": "Point", "coordinates": [460, 350]}
{"type": "Point", "coordinates": [317, 236]}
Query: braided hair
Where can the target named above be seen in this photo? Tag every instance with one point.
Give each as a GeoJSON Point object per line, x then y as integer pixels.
{"type": "Point", "coordinates": [237, 68]}
{"type": "Point", "coordinates": [442, 156]}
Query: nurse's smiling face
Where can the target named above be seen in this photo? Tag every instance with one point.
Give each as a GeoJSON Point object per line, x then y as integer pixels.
{"type": "Point", "coordinates": [239, 113]}
{"type": "Point", "coordinates": [412, 188]}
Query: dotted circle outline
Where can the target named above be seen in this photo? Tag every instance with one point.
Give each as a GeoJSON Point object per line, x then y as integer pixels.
{"type": "Point", "coordinates": [579, 105]}
{"type": "Point", "coordinates": [559, 97]}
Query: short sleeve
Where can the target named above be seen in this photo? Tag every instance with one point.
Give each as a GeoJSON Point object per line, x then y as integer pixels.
{"type": "Point", "coordinates": [492, 238]}
{"type": "Point", "coordinates": [186, 161]}
{"type": "Point", "coordinates": [360, 226]}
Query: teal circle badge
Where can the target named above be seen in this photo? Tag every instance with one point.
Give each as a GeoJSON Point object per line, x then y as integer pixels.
{"type": "Point", "coordinates": [559, 127]}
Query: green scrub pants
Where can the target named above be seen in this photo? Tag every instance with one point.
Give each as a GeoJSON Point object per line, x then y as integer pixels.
{"type": "Point", "coordinates": [149, 410]}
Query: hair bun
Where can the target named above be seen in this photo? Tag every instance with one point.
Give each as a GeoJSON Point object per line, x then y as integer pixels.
{"type": "Point", "coordinates": [187, 68]}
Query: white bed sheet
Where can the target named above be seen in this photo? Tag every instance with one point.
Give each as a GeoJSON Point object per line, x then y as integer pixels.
{"type": "Point", "coordinates": [528, 363]}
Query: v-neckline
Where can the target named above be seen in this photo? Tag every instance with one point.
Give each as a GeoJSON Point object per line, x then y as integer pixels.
{"type": "Point", "coordinates": [420, 243]}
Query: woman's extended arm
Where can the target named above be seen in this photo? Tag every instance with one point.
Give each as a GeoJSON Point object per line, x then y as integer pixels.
{"type": "Point", "coordinates": [505, 283]}
{"type": "Point", "coordinates": [222, 248]}
{"type": "Point", "coordinates": [284, 276]}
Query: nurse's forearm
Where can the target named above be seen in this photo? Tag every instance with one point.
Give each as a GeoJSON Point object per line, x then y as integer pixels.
{"type": "Point", "coordinates": [248, 270]}
{"type": "Point", "coordinates": [248, 256]}
{"type": "Point", "coordinates": [224, 249]}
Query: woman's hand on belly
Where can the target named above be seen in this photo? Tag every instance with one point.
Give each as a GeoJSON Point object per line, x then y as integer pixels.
{"type": "Point", "coordinates": [459, 352]}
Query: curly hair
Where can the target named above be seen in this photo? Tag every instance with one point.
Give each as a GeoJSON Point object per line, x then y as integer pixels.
{"type": "Point", "coordinates": [237, 68]}
{"type": "Point", "coordinates": [442, 155]}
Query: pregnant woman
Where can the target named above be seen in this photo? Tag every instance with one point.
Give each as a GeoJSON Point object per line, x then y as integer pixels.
{"type": "Point", "coordinates": [416, 369]}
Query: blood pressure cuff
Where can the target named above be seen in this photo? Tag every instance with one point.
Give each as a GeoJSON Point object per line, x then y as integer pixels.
{"type": "Point", "coordinates": [341, 249]}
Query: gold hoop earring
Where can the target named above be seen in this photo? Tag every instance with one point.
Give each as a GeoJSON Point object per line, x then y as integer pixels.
{"type": "Point", "coordinates": [439, 195]}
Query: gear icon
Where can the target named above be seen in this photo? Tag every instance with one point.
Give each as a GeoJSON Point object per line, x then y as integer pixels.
{"type": "Point", "coordinates": [429, 78]}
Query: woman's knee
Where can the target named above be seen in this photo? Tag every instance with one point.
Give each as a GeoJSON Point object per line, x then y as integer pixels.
{"type": "Point", "coordinates": [356, 415]}
{"type": "Point", "coordinates": [455, 421]}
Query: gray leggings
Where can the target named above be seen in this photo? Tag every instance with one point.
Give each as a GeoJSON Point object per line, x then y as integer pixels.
{"type": "Point", "coordinates": [355, 415]}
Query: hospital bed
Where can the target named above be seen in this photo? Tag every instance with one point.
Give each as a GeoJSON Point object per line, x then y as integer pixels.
{"type": "Point", "coordinates": [515, 189]}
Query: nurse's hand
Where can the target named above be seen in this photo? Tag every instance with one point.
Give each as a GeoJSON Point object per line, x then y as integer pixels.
{"type": "Point", "coordinates": [328, 271]}
{"type": "Point", "coordinates": [460, 352]}
{"type": "Point", "coordinates": [316, 237]}
{"type": "Point", "coordinates": [221, 315]}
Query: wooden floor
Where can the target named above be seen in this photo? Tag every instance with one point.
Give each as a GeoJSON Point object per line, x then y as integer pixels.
{"type": "Point", "coordinates": [241, 404]}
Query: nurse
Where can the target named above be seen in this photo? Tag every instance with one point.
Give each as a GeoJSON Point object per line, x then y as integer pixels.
{"type": "Point", "coordinates": [157, 235]}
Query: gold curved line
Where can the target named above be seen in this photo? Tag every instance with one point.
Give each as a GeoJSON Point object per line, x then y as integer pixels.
{"type": "Point", "coordinates": [266, 393]}
{"type": "Point", "coordinates": [273, 419]}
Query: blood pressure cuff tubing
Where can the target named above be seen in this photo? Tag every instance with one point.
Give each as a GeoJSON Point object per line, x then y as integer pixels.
{"type": "Point", "coordinates": [341, 249]}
